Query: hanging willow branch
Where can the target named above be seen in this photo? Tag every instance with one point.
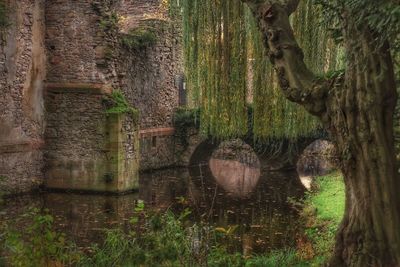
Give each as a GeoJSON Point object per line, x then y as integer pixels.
{"type": "Point", "coordinates": [220, 38]}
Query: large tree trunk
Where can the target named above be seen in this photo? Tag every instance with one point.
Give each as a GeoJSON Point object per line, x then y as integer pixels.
{"type": "Point", "coordinates": [361, 115]}
{"type": "Point", "coordinates": [357, 110]}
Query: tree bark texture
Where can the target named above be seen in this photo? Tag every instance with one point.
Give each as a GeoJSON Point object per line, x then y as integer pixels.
{"type": "Point", "coordinates": [357, 110]}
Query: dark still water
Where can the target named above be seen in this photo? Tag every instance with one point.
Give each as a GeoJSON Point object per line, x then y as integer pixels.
{"type": "Point", "coordinates": [223, 193]}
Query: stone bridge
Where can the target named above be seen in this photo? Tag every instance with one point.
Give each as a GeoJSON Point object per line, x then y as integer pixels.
{"type": "Point", "coordinates": [284, 156]}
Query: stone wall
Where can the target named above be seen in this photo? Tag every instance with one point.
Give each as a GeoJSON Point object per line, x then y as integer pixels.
{"type": "Point", "coordinates": [22, 72]}
{"type": "Point", "coordinates": [157, 148]}
{"type": "Point", "coordinates": [73, 41]}
{"type": "Point", "coordinates": [75, 46]}
{"type": "Point", "coordinates": [319, 158]}
{"type": "Point", "coordinates": [148, 78]}
{"type": "Point", "coordinates": [86, 148]}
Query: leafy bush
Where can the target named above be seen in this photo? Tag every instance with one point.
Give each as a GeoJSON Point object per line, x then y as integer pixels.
{"type": "Point", "coordinates": [38, 244]}
{"type": "Point", "coordinates": [186, 117]}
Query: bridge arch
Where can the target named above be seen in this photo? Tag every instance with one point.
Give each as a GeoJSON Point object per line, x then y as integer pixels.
{"type": "Point", "coordinates": [201, 149]}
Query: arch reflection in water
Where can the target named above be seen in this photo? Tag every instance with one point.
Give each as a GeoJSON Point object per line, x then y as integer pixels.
{"type": "Point", "coordinates": [237, 178]}
{"type": "Point", "coordinates": [235, 167]}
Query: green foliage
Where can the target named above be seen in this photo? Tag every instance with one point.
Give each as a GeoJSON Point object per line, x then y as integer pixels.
{"type": "Point", "coordinates": [3, 15]}
{"type": "Point", "coordinates": [187, 117]}
{"type": "Point", "coordinates": [119, 105]}
{"type": "Point", "coordinates": [174, 9]}
{"type": "Point", "coordinates": [382, 18]}
{"type": "Point", "coordinates": [215, 65]}
{"type": "Point", "coordinates": [39, 244]}
{"type": "Point", "coordinates": [165, 239]}
{"type": "Point", "coordinates": [277, 258]}
{"type": "Point", "coordinates": [184, 119]}
{"type": "Point", "coordinates": [139, 38]}
{"type": "Point", "coordinates": [156, 240]}
{"type": "Point", "coordinates": [109, 21]}
{"type": "Point", "coordinates": [220, 37]}
{"type": "Point", "coordinates": [4, 22]}
{"type": "Point", "coordinates": [274, 116]}
{"type": "Point", "coordinates": [330, 198]}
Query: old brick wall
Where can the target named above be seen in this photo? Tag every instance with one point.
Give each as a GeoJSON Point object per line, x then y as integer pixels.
{"type": "Point", "coordinates": [74, 45]}
{"type": "Point", "coordinates": [82, 51]}
{"type": "Point", "coordinates": [22, 72]}
{"type": "Point", "coordinates": [86, 149]}
{"type": "Point", "coordinates": [148, 78]}
{"type": "Point", "coordinates": [73, 37]}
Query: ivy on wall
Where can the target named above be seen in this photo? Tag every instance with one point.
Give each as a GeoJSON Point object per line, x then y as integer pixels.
{"type": "Point", "coordinates": [117, 104]}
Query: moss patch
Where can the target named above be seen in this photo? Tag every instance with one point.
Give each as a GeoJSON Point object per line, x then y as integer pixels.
{"type": "Point", "coordinates": [139, 38]}
{"type": "Point", "coordinates": [3, 15]}
{"type": "Point", "coordinates": [119, 105]}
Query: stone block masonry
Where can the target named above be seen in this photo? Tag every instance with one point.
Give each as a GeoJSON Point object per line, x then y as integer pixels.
{"type": "Point", "coordinates": [73, 36]}
{"type": "Point", "coordinates": [149, 80]}
{"type": "Point", "coordinates": [86, 148]}
{"type": "Point", "coordinates": [63, 138]}
{"type": "Point", "coordinates": [22, 71]}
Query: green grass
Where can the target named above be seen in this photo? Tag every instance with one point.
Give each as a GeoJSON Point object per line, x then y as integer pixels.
{"type": "Point", "coordinates": [323, 212]}
{"type": "Point", "coordinates": [277, 258]}
{"type": "Point", "coordinates": [330, 199]}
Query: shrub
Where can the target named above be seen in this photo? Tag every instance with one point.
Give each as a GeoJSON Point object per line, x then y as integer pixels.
{"type": "Point", "coordinates": [38, 244]}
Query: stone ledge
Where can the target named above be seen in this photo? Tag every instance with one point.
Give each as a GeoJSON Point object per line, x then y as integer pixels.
{"type": "Point", "coordinates": [80, 88]}
{"type": "Point", "coordinates": [21, 147]}
{"type": "Point", "coordinates": [157, 132]}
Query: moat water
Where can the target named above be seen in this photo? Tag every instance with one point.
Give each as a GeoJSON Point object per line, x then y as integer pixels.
{"type": "Point", "coordinates": [223, 193]}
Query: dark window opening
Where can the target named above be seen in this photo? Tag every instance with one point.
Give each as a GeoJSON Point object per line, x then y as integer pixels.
{"type": "Point", "coordinates": [180, 83]}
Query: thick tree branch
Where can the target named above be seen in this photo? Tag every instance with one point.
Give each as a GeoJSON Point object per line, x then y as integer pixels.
{"type": "Point", "coordinates": [297, 82]}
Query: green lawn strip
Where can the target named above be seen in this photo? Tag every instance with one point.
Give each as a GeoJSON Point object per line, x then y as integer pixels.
{"type": "Point", "coordinates": [323, 212]}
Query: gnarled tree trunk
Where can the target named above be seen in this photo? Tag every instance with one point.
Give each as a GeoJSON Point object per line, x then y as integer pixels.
{"type": "Point", "coordinates": [357, 110]}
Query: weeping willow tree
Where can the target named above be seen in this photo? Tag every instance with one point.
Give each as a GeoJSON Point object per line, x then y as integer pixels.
{"type": "Point", "coordinates": [222, 44]}
{"type": "Point", "coordinates": [216, 63]}
{"type": "Point", "coordinates": [356, 107]}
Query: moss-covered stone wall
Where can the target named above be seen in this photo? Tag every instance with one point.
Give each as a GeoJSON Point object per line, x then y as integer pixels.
{"type": "Point", "coordinates": [87, 148]}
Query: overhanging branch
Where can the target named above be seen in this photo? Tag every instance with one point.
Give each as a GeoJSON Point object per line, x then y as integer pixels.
{"type": "Point", "coordinates": [297, 82]}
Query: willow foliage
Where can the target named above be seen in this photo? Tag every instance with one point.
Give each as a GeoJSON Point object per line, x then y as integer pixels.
{"type": "Point", "coordinates": [225, 57]}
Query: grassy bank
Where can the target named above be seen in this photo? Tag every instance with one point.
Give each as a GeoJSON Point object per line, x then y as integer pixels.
{"type": "Point", "coordinates": [323, 211]}
{"type": "Point", "coordinates": [167, 240]}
